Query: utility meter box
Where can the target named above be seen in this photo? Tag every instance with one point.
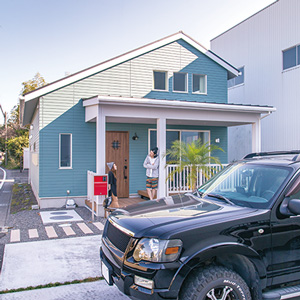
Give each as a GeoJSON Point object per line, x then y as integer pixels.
{"type": "Point", "coordinates": [100, 185]}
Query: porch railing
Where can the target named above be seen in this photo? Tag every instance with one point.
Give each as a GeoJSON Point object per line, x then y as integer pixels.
{"type": "Point", "coordinates": [180, 180]}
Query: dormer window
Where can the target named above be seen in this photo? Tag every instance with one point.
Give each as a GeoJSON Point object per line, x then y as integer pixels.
{"type": "Point", "coordinates": [160, 80]}
{"type": "Point", "coordinates": [180, 82]}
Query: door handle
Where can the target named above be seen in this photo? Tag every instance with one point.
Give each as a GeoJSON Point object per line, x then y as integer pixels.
{"type": "Point", "coordinates": [124, 170]}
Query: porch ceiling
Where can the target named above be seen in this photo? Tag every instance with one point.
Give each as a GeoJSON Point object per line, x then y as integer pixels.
{"type": "Point", "coordinates": [147, 111]}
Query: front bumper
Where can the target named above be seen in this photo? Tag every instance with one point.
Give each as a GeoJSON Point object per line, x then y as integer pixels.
{"type": "Point", "coordinates": [125, 280]}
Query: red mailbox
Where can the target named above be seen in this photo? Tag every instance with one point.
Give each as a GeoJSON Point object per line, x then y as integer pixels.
{"type": "Point", "coordinates": [100, 185]}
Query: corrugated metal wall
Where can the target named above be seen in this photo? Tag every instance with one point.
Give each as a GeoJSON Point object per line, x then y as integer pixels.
{"type": "Point", "coordinates": [257, 44]}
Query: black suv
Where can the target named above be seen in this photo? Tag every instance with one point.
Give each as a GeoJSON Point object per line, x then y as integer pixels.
{"type": "Point", "coordinates": [236, 237]}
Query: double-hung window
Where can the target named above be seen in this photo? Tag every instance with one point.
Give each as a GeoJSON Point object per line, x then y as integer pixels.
{"type": "Point", "coordinates": [160, 80]}
{"type": "Point", "coordinates": [180, 82]}
{"type": "Point", "coordinates": [199, 84]}
{"type": "Point", "coordinates": [291, 57]}
{"type": "Point", "coordinates": [65, 151]}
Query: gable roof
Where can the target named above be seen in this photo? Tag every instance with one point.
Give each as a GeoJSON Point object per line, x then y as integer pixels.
{"type": "Point", "coordinates": [231, 71]}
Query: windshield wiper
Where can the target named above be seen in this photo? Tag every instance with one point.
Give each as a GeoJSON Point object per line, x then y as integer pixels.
{"type": "Point", "coordinates": [220, 197]}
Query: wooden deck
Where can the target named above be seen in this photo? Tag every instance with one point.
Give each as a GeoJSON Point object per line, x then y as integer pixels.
{"type": "Point", "coordinates": [128, 201]}
{"type": "Point", "coordinates": [122, 202]}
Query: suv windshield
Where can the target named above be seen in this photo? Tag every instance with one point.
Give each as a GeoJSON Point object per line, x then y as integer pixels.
{"type": "Point", "coordinates": [246, 184]}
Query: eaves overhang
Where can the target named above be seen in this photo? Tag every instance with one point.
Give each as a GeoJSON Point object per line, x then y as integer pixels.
{"type": "Point", "coordinates": [177, 104]}
{"type": "Point", "coordinates": [147, 111]}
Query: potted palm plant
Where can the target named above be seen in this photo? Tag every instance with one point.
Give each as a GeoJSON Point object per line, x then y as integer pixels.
{"type": "Point", "coordinates": [195, 155]}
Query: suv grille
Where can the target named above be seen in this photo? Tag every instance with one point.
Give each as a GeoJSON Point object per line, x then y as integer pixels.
{"type": "Point", "coordinates": [117, 237]}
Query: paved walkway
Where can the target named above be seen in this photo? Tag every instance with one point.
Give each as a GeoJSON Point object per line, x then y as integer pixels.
{"type": "Point", "coordinates": [42, 262]}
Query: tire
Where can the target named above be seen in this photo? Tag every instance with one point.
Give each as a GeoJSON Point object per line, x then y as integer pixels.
{"type": "Point", "coordinates": [215, 283]}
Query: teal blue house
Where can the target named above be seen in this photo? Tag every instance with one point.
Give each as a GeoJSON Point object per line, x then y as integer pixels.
{"type": "Point", "coordinates": [117, 110]}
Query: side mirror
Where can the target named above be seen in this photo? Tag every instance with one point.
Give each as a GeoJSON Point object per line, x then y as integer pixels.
{"type": "Point", "coordinates": [290, 207]}
{"type": "Point", "coordinates": [294, 206]}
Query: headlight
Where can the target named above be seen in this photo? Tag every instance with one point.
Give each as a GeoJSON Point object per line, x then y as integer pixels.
{"type": "Point", "coordinates": [156, 250]}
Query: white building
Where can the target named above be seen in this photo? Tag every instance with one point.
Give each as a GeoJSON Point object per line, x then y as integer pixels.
{"type": "Point", "coordinates": [266, 47]}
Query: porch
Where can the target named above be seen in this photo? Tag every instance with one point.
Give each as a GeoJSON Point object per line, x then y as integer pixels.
{"type": "Point", "coordinates": [106, 110]}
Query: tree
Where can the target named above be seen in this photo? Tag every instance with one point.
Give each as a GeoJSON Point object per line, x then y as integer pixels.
{"type": "Point", "coordinates": [17, 135]}
{"type": "Point", "coordinates": [195, 155]}
{"type": "Point", "coordinates": [36, 82]}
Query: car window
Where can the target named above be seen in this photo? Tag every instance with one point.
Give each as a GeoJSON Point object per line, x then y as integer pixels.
{"type": "Point", "coordinates": [248, 184]}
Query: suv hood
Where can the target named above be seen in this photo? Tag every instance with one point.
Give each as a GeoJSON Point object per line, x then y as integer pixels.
{"type": "Point", "coordinates": [180, 211]}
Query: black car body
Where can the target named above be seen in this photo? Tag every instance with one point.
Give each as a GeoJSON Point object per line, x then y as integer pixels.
{"type": "Point", "coordinates": [244, 222]}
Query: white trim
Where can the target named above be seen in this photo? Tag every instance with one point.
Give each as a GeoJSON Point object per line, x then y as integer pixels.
{"type": "Point", "coordinates": [71, 152]}
{"type": "Point", "coordinates": [186, 83]}
{"type": "Point", "coordinates": [199, 93]}
{"type": "Point", "coordinates": [166, 81]}
{"type": "Point", "coordinates": [127, 56]}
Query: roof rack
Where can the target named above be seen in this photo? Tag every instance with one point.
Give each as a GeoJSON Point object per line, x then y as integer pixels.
{"type": "Point", "coordinates": [260, 154]}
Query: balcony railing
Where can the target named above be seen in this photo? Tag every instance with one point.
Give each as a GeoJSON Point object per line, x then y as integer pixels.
{"type": "Point", "coordinates": [180, 181]}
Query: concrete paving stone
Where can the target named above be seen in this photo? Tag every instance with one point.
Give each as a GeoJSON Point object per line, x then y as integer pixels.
{"type": "Point", "coordinates": [15, 236]}
{"type": "Point", "coordinates": [44, 262]}
{"type": "Point", "coordinates": [33, 233]}
{"type": "Point", "coordinates": [83, 291]}
{"type": "Point", "coordinates": [50, 232]}
{"type": "Point", "coordinates": [99, 225]}
{"type": "Point", "coordinates": [85, 229]}
{"type": "Point", "coordinates": [68, 230]}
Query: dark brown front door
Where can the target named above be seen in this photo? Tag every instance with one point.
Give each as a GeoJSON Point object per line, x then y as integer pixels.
{"type": "Point", "coordinates": [117, 150]}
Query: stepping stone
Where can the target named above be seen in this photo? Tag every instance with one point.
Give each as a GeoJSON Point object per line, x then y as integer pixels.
{"type": "Point", "coordinates": [50, 232]}
{"type": "Point", "coordinates": [68, 230]}
{"type": "Point", "coordinates": [33, 233]}
{"type": "Point", "coordinates": [99, 225]}
{"type": "Point", "coordinates": [85, 229]}
{"type": "Point", "coordinates": [15, 236]}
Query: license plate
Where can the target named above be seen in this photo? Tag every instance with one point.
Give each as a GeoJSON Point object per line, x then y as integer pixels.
{"type": "Point", "coordinates": [105, 273]}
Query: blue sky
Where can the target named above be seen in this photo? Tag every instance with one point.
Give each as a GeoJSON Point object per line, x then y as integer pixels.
{"type": "Point", "coordinates": [58, 36]}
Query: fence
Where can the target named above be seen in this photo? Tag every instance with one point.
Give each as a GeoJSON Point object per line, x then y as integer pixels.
{"type": "Point", "coordinates": [180, 181]}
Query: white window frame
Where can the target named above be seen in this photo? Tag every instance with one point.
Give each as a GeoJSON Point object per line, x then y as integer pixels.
{"type": "Point", "coordinates": [186, 83]}
{"type": "Point", "coordinates": [297, 58]}
{"type": "Point", "coordinates": [71, 152]}
{"type": "Point", "coordinates": [166, 78]}
{"type": "Point", "coordinates": [180, 130]}
{"type": "Point", "coordinates": [199, 93]}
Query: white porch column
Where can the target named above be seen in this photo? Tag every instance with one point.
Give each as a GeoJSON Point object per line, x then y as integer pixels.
{"type": "Point", "coordinates": [256, 136]}
{"type": "Point", "coordinates": [100, 156]}
{"type": "Point", "coordinates": [161, 144]}
{"type": "Point", "coordinates": [100, 141]}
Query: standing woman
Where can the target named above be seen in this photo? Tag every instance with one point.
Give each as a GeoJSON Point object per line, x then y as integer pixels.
{"type": "Point", "coordinates": [151, 163]}
{"type": "Point", "coordinates": [112, 184]}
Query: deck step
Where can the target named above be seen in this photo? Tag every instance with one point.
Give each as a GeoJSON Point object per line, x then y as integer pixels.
{"type": "Point", "coordinates": [144, 194]}
{"type": "Point", "coordinates": [282, 293]}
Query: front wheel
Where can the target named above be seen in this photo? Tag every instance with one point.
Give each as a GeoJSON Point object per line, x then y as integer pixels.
{"type": "Point", "coordinates": [215, 283]}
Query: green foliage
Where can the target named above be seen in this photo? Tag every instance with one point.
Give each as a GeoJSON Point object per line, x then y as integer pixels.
{"type": "Point", "coordinates": [196, 155]}
{"type": "Point", "coordinates": [36, 82]}
{"type": "Point", "coordinates": [17, 136]}
{"type": "Point", "coordinates": [15, 145]}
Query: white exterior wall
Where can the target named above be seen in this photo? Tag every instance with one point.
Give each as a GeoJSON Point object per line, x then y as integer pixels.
{"type": "Point", "coordinates": [257, 43]}
{"type": "Point", "coordinates": [34, 153]}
